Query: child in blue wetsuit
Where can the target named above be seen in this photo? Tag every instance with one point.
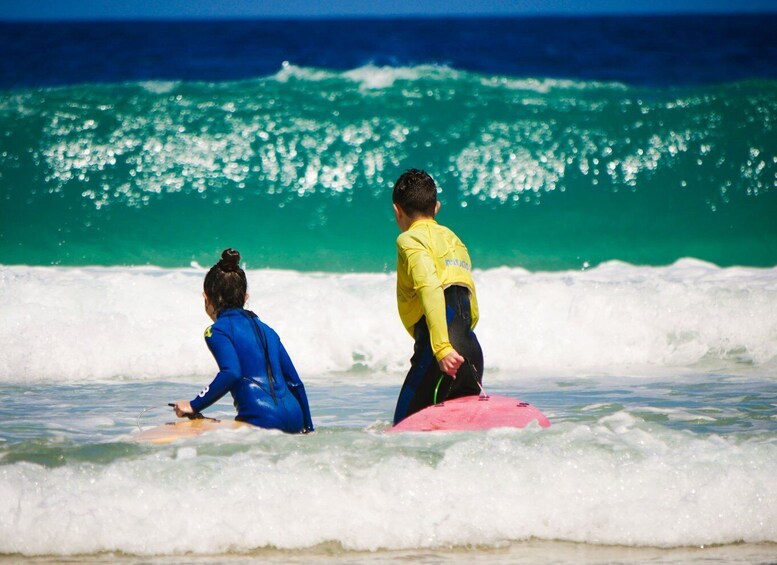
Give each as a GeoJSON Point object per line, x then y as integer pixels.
{"type": "Point", "coordinates": [253, 364]}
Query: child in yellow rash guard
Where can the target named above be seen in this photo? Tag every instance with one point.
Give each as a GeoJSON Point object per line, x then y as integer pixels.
{"type": "Point", "coordinates": [436, 300]}
{"type": "Point", "coordinates": [431, 258]}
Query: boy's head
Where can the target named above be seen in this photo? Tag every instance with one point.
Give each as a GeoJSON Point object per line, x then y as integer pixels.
{"type": "Point", "coordinates": [416, 194]}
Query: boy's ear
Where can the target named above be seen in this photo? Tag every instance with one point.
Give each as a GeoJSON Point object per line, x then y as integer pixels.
{"type": "Point", "coordinates": [436, 207]}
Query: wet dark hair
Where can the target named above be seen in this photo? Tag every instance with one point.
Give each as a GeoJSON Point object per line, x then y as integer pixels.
{"type": "Point", "coordinates": [416, 193]}
{"type": "Point", "coordinates": [226, 283]}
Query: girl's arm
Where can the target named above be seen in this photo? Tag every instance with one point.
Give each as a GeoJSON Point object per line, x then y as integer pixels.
{"type": "Point", "coordinates": [229, 369]}
{"type": "Point", "coordinates": [296, 387]}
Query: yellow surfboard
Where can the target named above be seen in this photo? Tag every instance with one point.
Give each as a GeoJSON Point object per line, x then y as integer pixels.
{"type": "Point", "coordinates": [173, 431]}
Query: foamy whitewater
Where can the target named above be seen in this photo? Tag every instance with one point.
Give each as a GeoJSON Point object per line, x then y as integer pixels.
{"type": "Point", "coordinates": [659, 382]}
{"type": "Point", "coordinates": [147, 323]}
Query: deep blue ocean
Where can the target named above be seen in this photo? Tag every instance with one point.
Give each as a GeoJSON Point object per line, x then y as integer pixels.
{"type": "Point", "coordinates": [638, 51]}
{"type": "Point", "coordinates": [614, 179]}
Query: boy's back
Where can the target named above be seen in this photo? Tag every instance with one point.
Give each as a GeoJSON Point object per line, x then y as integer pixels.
{"type": "Point", "coordinates": [436, 300]}
{"type": "Point", "coordinates": [416, 274]}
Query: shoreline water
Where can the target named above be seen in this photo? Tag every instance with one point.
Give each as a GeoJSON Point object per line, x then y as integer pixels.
{"type": "Point", "coordinates": [628, 464]}
{"type": "Point", "coordinates": [530, 552]}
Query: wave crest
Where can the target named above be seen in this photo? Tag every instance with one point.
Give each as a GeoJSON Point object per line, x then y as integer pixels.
{"type": "Point", "coordinates": [91, 324]}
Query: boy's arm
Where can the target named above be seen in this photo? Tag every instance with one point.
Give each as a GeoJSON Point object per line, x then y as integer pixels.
{"type": "Point", "coordinates": [450, 363]}
{"type": "Point", "coordinates": [427, 285]}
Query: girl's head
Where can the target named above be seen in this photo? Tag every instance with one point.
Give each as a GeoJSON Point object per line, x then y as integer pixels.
{"type": "Point", "coordinates": [225, 284]}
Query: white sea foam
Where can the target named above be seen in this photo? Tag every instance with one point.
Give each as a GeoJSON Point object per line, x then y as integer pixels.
{"type": "Point", "coordinates": [545, 85]}
{"type": "Point", "coordinates": [71, 324]}
{"type": "Point", "coordinates": [615, 481]}
{"type": "Point", "coordinates": [369, 77]}
{"type": "Point", "coordinates": [373, 77]}
{"type": "Point", "coordinates": [289, 71]}
{"type": "Point", "coordinates": [160, 86]}
{"type": "Point", "coordinates": [379, 77]}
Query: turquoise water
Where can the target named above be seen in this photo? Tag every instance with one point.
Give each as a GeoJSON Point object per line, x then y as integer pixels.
{"type": "Point", "coordinates": [296, 170]}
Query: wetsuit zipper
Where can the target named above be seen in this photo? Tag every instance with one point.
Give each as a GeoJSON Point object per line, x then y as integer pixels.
{"type": "Point", "coordinates": [254, 321]}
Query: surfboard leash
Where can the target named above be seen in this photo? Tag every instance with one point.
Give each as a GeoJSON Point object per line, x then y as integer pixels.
{"type": "Point", "coordinates": [194, 416]}
{"type": "Point", "coordinates": [137, 422]}
{"type": "Point", "coordinates": [482, 395]}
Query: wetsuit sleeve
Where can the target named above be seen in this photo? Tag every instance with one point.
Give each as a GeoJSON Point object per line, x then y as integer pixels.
{"type": "Point", "coordinates": [229, 369]}
{"type": "Point", "coordinates": [430, 291]}
{"type": "Point", "coordinates": [296, 387]}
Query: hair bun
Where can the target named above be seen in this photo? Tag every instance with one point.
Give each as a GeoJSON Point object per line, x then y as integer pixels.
{"type": "Point", "coordinates": [230, 260]}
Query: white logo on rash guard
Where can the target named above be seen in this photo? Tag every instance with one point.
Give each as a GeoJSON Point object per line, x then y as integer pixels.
{"type": "Point", "coordinates": [204, 391]}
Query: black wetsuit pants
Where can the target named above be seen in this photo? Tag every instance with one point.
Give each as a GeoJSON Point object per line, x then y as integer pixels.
{"type": "Point", "coordinates": [425, 383]}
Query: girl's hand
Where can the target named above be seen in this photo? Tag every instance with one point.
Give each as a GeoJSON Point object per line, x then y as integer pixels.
{"type": "Point", "coordinates": [450, 363]}
{"type": "Point", "coordinates": [183, 408]}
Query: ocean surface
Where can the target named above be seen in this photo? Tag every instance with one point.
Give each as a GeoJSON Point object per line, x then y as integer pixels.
{"type": "Point", "coordinates": [615, 180]}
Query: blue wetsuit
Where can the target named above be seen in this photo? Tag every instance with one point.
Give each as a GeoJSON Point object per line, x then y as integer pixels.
{"type": "Point", "coordinates": [255, 368]}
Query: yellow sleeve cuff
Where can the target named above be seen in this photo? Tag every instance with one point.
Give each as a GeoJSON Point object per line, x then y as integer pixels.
{"type": "Point", "coordinates": [445, 350]}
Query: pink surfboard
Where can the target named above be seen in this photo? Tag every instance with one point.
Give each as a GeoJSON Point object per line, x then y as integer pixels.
{"type": "Point", "coordinates": [473, 413]}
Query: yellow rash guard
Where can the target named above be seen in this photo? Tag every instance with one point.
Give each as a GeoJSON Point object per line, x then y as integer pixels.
{"type": "Point", "coordinates": [430, 258]}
